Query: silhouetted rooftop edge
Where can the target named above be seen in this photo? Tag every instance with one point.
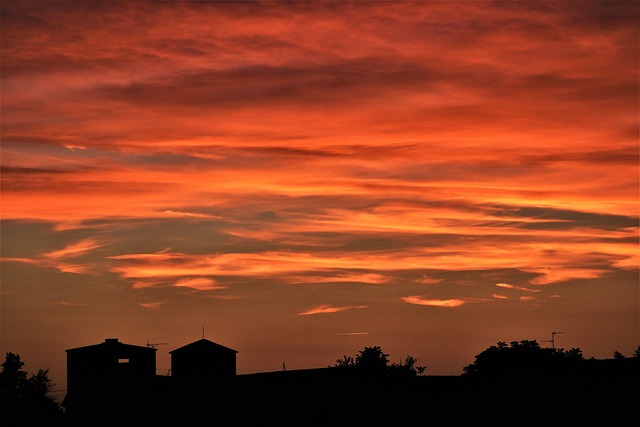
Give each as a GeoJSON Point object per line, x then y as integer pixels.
{"type": "Point", "coordinates": [202, 343]}
{"type": "Point", "coordinates": [111, 342]}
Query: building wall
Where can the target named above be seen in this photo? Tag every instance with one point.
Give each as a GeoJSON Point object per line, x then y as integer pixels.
{"type": "Point", "coordinates": [203, 363]}
{"type": "Point", "coordinates": [107, 364]}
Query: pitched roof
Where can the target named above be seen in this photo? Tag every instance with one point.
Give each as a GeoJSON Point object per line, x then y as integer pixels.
{"type": "Point", "coordinates": [110, 344]}
{"type": "Point", "coordinates": [203, 344]}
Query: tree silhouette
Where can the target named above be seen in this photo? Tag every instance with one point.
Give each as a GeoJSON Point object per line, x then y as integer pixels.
{"type": "Point", "coordinates": [372, 362]}
{"type": "Point", "coordinates": [523, 357]}
{"type": "Point", "coordinates": [636, 354]}
{"type": "Point", "coordinates": [25, 400]}
{"type": "Point", "coordinates": [407, 369]}
{"type": "Point", "coordinates": [12, 377]}
{"type": "Point", "coordinates": [617, 355]}
{"type": "Point", "coordinates": [345, 362]}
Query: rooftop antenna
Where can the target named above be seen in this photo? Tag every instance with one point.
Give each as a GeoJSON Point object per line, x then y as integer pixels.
{"type": "Point", "coordinates": [553, 338]}
{"type": "Point", "coordinates": [155, 344]}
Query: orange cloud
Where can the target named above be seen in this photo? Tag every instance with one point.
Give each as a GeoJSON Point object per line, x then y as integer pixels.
{"type": "Point", "coordinates": [68, 303]}
{"type": "Point", "coordinates": [71, 268]}
{"type": "Point", "coordinates": [520, 288]}
{"type": "Point", "coordinates": [73, 250]}
{"type": "Point", "coordinates": [152, 305]}
{"type": "Point", "coordinates": [141, 284]}
{"type": "Point", "coordinates": [19, 259]}
{"type": "Point", "coordinates": [428, 281]}
{"type": "Point", "coordinates": [370, 278]}
{"type": "Point", "coordinates": [326, 309]}
{"type": "Point", "coordinates": [58, 259]}
{"type": "Point", "coordinates": [449, 303]}
{"type": "Point", "coordinates": [198, 284]}
{"type": "Point", "coordinates": [171, 213]}
{"type": "Point", "coordinates": [522, 256]}
{"type": "Point", "coordinates": [554, 275]}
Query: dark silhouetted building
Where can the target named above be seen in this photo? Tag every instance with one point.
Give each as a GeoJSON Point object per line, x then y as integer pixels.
{"type": "Point", "coordinates": [203, 359]}
{"type": "Point", "coordinates": [107, 368]}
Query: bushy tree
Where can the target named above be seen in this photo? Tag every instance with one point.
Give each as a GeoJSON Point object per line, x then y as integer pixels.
{"type": "Point", "coordinates": [345, 362]}
{"type": "Point", "coordinates": [636, 354]}
{"type": "Point", "coordinates": [372, 361]}
{"type": "Point", "coordinates": [617, 355]}
{"type": "Point", "coordinates": [407, 368]}
{"type": "Point", "coordinates": [523, 357]}
{"type": "Point", "coordinates": [12, 377]}
{"type": "Point", "coordinates": [25, 400]}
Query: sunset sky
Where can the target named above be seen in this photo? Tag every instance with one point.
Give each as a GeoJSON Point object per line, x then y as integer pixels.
{"type": "Point", "coordinates": [307, 179]}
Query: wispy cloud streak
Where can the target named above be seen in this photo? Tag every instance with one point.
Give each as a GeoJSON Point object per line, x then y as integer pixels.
{"type": "Point", "coordinates": [73, 250]}
{"type": "Point", "coordinates": [447, 303]}
{"type": "Point", "coordinates": [328, 309]}
{"type": "Point", "coordinates": [60, 259]}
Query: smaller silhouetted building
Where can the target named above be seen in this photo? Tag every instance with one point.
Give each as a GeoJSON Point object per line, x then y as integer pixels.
{"type": "Point", "coordinates": [203, 359]}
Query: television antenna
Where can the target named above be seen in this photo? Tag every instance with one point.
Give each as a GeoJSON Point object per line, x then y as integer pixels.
{"type": "Point", "coordinates": [553, 338]}
{"type": "Point", "coordinates": [155, 344]}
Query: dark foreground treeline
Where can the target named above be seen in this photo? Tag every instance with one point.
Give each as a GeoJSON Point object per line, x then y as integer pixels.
{"type": "Point", "coordinates": [516, 384]}
{"type": "Point", "coordinates": [601, 392]}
